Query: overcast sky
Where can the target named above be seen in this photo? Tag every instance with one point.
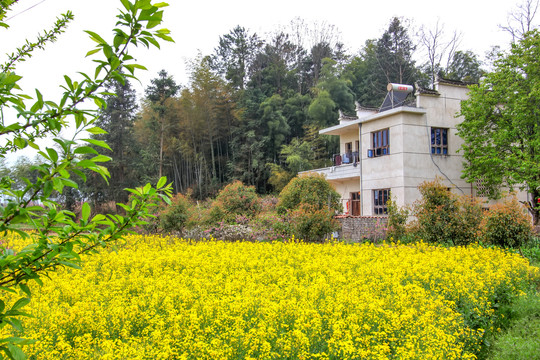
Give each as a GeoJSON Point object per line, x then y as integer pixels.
{"type": "Point", "coordinates": [197, 25]}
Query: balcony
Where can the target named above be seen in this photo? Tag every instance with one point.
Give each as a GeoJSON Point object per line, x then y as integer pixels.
{"type": "Point", "coordinates": [345, 167]}
{"type": "Point", "coordinates": [347, 158]}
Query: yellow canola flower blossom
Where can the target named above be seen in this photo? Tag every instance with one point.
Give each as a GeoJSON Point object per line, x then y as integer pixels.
{"type": "Point", "coordinates": [165, 298]}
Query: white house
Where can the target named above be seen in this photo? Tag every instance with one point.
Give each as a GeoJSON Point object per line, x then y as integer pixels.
{"type": "Point", "coordinates": [397, 147]}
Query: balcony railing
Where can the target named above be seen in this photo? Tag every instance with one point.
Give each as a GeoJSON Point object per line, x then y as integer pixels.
{"type": "Point", "coordinates": [347, 158]}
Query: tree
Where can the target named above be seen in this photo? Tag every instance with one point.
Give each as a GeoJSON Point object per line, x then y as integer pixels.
{"type": "Point", "coordinates": [338, 88]}
{"type": "Point", "coordinates": [117, 120]}
{"type": "Point", "coordinates": [58, 238]}
{"type": "Point", "coordinates": [381, 61]}
{"type": "Point", "coordinates": [440, 51]}
{"type": "Point", "coordinates": [274, 125]}
{"type": "Point", "coordinates": [464, 66]}
{"type": "Point", "coordinates": [520, 21]}
{"type": "Point", "coordinates": [310, 202]}
{"type": "Point", "coordinates": [394, 52]}
{"type": "Point", "coordinates": [162, 89]}
{"type": "Point", "coordinates": [234, 55]}
{"type": "Point", "coordinates": [500, 130]}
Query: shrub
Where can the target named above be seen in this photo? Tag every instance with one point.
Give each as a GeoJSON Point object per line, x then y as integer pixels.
{"type": "Point", "coordinates": [310, 202]}
{"type": "Point", "coordinates": [397, 220]}
{"type": "Point", "coordinates": [446, 218]}
{"type": "Point", "coordinates": [235, 200]}
{"type": "Point", "coordinates": [174, 217]}
{"type": "Point", "coordinates": [312, 189]}
{"type": "Point", "coordinates": [311, 223]}
{"type": "Point", "coordinates": [507, 225]}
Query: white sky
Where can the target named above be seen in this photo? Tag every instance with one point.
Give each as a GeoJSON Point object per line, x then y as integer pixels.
{"type": "Point", "coordinates": [197, 25]}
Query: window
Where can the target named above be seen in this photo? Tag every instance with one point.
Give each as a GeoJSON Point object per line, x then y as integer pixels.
{"type": "Point", "coordinates": [439, 141]}
{"type": "Point", "coordinates": [380, 142]}
{"type": "Point", "coordinates": [380, 198]}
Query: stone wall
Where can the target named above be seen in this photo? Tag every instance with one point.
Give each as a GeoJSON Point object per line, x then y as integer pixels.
{"type": "Point", "coordinates": [359, 228]}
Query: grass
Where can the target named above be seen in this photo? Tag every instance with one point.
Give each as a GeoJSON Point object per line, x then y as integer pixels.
{"type": "Point", "coordinates": [520, 338]}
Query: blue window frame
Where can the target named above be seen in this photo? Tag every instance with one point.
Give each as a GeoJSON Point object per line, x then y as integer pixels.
{"type": "Point", "coordinates": [439, 141]}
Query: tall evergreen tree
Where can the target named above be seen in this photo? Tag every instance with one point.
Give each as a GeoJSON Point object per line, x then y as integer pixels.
{"type": "Point", "coordinates": [387, 59]}
{"type": "Point", "coordinates": [162, 89]}
{"type": "Point", "coordinates": [234, 55]}
{"type": "Point", "coordinates": [117, 119]}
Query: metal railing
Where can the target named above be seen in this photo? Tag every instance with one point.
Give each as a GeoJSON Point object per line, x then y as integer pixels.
{"type": "Point", "coordinates": [347, 158]}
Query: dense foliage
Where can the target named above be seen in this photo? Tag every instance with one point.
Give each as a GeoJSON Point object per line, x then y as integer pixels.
{"type": "Point", "coordinates": [500, 131]}
{"type": "Point", "coordinates": [507, 225]}
{"type": "Point", "coordinates": [233, 201]}
{"type": "Point", "coordinates": [444, 217]}
{"type": "Point", "coordinates": [163, 298]}
{"type": "Point", "coordinates": [309, 189]}
{"type": "Point", "coordinates": [175, 216]}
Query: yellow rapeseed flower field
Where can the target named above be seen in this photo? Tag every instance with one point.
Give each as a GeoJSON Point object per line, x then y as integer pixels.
{"type": "Point", "coordinates": [165, 298]}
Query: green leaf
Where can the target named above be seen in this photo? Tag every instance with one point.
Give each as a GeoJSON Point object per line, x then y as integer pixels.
{"type": "Point", "coordinates": [118, 40]}
{"type": "Point", "coordinates": [53, 155]}
{"type": "Point", "coordinates": [85, 211]}
{"type": "Point", "coordinates": [99, 143]}
{"type": "Point", "coordinates": [162, 181]}
{"type": "Point", "coordinates": [16, 324]}
{"type": "Point", "coordinates": [95, 37]}
{"type": "Point", "coordinates": [70, 183]}
{"type": "Point", "coordinates": [127, 4]}
{"type": "Point", "coordinates": [25, 288]}
{"type": "Point", "coordinates": [16, 352]}
{"type": "Point", "coordinates": [85, 150]}
{"type": "Point", "coordinates": [20, 303]}
{"type": "Point", "coordinates": [33, 145]}
{"type": "Point", "coordinates": [101, 158]}
{"type": "Point", "coordinates": [98, 102]}
{"type": "Point", "coordinates": [92, 52]}
{"type": "Point", "coordinates": [70, 264]}
{"type": "Point", "coordinates": [19, 142]}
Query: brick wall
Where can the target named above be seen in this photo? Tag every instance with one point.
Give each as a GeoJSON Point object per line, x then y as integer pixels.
{"type": "Point", "coordinates": [358, 228]}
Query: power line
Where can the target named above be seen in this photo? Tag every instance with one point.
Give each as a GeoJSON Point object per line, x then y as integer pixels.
{"type": "Point", "coordinates": [33, 6]}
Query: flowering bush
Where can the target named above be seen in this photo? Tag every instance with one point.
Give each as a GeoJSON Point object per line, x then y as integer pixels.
{"type": "Point", "coordinates": [312, 189]}
{"type": "Point", "coordinates": [234, 200]}
{"type": "Point", "coordinates": [311, 223]}
{"type": "Point", "coordinates": [444, 217]}
{"type": "Point", "coordinates": [161, 298]}
{"type": "Point", "coordinates": [507, 225]}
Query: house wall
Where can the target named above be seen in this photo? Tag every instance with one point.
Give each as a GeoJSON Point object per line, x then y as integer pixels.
{"type": "Point", "coordinates": [410, 162]}
{"type": "Point", "coordinates": [345, 187]}
{"type": "Point", "coordinates": [350, 136]}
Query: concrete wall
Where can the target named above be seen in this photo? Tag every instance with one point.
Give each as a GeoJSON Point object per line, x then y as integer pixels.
{"type": "Point", "coordinates": [356, 228]}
